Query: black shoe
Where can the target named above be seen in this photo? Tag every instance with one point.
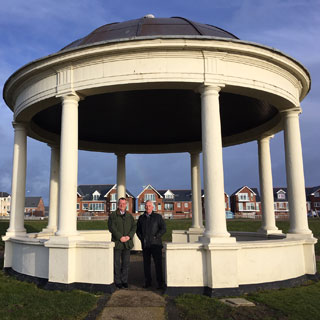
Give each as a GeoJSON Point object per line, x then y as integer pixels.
{"type": "Point", "coordinates": [147, 285]}
{"type": "Point", "coordinates": [160, 286]}
{"type": "Point", "coordinates": [119, 285]}
{"type": "Point", "coordinates": [125, 285]}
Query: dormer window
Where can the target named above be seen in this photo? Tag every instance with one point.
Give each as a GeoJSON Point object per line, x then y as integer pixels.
{"type": "Point", "coordinates": [96, 196]}
{"type": "Point", "coordinates": [317, 194]}
{"type": "Point", "coordinates": [169, 195]}
{"type": "Point", "coordinates": [281, 195]}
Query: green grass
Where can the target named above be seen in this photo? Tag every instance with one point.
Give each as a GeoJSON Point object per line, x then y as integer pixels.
{"type": "Point", "coordinates": [300, 303]}
{"type": "Point", "coordinates": [22, 300]}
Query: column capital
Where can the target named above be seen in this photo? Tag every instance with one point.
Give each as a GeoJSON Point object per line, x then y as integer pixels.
{"type": "Point", "coordinates": [19, 125]}
{"type": "Point", "coordinates": [70, 96]}
{"type": "Point", "coordinates": [291, 112]}
{"type": "Point", "coordinates": [54, 145]}
{"type": "Point", "coordinates": [207, 88]}
{"type": "Point", "coordinates": [120, 154]}
{"type": "Point", "coordinates": [194, 152]}
{"type": "Point", "coordinates": [265, 137]}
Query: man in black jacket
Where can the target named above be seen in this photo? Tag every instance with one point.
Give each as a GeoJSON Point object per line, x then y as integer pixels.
{"type": "Point", "coordinates": [122, 227]}
{"type": "Point", "coordinates": [150, 229]}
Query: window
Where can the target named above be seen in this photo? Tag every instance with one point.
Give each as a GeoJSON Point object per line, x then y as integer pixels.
{"type": "Point", "coordinates": [96, 207]}
{"type": "Point", "coordinates": [317, 204]}
{"type": "Point", "coordinates": [317, 194]}
{"type": "Point", "coordinates": [78, 206]}
{"type": "Point", "coordinates": [85, 206]}
{"type": "Point", "coordinates": [257, 207]}
{"type": "Point", "coordinates": [95, 197]}
{"type": "Point", "coordinates": [168, 206]}
{"type": "Point", "coordinates": [178, 205]}
{"type": "Point", "coordinates": [186, 204]}
{"type": "Point", "coordinates": [243, 197]}
{"type": "Point", "coordinates": [113, 206]}
{"type": "Point", "coordinates": [240, 206]}
{"type": "Point", "coordinates": [281, 196]}
{"type": "Point", "coordinates": [127, 207]}
{"type": "Point", "coordinates": [250, 206]}
{"type": "Point", "coordinates": [159, 207]}
{"type": "Point", "coordinates": [113, 197]}
{"type": "Point", "coordinates": [169, 196]}
{"type": "Point", "coordinates": [149, 196]}
{"type": "Point", "coordinates": [282, 205]}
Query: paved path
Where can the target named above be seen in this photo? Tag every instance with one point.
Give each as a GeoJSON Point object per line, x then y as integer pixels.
{"type": "Point", "coordinates": [134, 305]}
{"type": "Point", "coordinates": [135, 302]}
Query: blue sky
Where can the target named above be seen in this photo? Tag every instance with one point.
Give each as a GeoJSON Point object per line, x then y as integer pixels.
{"type": "Point", "coordinates": [35, 28]}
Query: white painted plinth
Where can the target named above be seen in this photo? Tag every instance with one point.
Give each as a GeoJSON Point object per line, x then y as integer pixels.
{"type": "Point", "coordinates": [87, 258]}
{"type": "Point", "coordinates": [136, 243]}
{"type": "Point", "coordinates": [185, 236]}
{"type": "Point", "coordinates": [229, 265]}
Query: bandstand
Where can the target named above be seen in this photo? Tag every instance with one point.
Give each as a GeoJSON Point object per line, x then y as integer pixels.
{"type": "Point", "coordinates": [161, 85]}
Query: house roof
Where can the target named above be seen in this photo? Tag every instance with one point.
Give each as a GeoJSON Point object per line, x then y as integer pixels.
{"type": "Point", "coordinates": [311, 190]}
{"type": "Point", "coordinates": [149, 186]}
{"type": "Point", "coordinates": [4, 194]}
{"type": "Point", "coordinates": [179, 194]}
{"type": "Point", "coordinates": [86, 191]}
{"type": "Point", "coordinates": [254, 190]}
{"type": "Point", "coordinates": [32, 202]}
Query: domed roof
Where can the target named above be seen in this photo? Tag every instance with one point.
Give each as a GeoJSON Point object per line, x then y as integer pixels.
{"type": "Point", "coordinates": [149, 26]}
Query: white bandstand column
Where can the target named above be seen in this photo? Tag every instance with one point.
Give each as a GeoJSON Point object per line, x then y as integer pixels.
{"type": "Point", "coordinates": [199, 197]}
{"type": "Point", "coordinates": [54, 190]}
{"type": "Point", "coordinates": [295, 175]}
{"type": "Point", "coordinates": [67, 220]}
{"type": "Point", "coordinates": [196, 196]}
{"type": "Point", "coordinates": [266, 187]}
{"type": "Point", "coordinates": [18, 188]}
{"type": "Point", "coordinates": [216, 225]}
{"type": "Point", "coordinates": [121, 175]}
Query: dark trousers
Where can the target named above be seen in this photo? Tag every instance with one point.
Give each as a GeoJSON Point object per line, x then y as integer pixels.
{"type": "Point", "coordinates": [156, 253]}
{"type": "Point", "coordinates": [121, 265]}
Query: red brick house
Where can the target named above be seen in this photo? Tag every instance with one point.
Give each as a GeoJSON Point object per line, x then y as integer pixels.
{"type": "Point", "coordinates": [100, 200]}
{"type": "Point", "coordinates": [313, 198]}
{"type": "Point", "coordinates": [170, 203]}
{"type": "Point", "coordinates": [246, 203]}
{"type": "Point", "coordinates": [34, 207]}
{"type": "Point", "coordinates": [281, 206]}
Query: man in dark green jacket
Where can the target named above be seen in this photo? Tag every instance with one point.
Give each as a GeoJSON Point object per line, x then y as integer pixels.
{"type": "Point", "coordinates": [122, 227]}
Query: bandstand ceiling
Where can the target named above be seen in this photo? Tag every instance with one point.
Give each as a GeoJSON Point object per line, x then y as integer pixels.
{"type": "Point", "coordinates": [155, 116]}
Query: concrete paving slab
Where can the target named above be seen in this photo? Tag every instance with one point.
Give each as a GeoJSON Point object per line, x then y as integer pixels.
{"type": "Point", "coordinates": [133, 313]}
{"type": "Point", "coordinates": [136, 298]}
{"type": "Point", "coordinates": [237, 302]}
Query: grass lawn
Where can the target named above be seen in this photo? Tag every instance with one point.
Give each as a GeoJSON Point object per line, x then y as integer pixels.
{"type": "Point", "coordinates": [21, 300]}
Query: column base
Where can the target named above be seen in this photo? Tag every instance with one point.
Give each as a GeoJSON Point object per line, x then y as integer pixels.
{"type": "Point", "coordinates": [63, 241]}
{"type": "Point", "coordinates": [269, 231]}
{"type": "Point", "coordinates": [299, 235]}
{"type": "Point", "coordinates": [49, 231]}
{"type": "Point", "coordinates": [196, 230]}
{"type": "Point", "coordinates": [20, 233]}
{"type": "Point", "coordinates": [217, 240]}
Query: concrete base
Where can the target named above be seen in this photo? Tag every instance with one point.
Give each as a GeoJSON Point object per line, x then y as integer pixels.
{"type": "Point", "coordinates": [224, 265]}
{"type": "Point", "coordinates": [86, 258]}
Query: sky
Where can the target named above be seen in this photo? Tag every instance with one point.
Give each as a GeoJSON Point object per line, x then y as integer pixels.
{"type": "Point", "coordinates": [36, 28]}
